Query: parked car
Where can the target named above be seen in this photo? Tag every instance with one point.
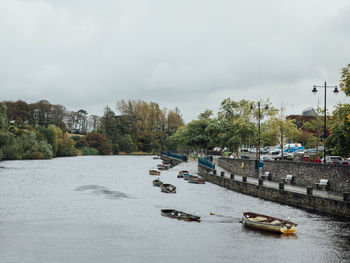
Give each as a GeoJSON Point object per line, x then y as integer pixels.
{"type": "Point", "coordinates": [333, 159]}
{"type": "Point", "coordinates": [264, 150]}
{"type": "Point", "coordinates": [312, 150]}
{"type": "Point", "coordinates": [292, 147]}
{"type": "Point", "coordinates": [244, 157]}
{"type": "Point", "coordinates": [274, 151]}
{"type": "Point", "coordinates": [266, 157]}
{"type": "Point", "coordinates": [347, 161]}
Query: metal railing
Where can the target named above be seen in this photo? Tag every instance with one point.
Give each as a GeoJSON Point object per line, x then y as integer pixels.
{"type": "Point", "coordinates": [206, 163]}
{"type": "Point", "coordinates": [175, 156]}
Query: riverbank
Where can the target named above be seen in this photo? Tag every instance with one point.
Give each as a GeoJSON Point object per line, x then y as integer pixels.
{"type": "Point", "coordinates": [305, 198]}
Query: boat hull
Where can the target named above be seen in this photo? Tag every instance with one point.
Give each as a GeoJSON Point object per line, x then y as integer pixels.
{"type": "Point", "coordinates": [196, 181]}
{"type": "Point", "coordinates": [271, 224]}
{"type": "Point", "coordinates": [179, 215]}
{"type": "Point", "coordinates": [154, 172]}
{"type": "Point", "coordinates": [157, 183]}
{"type": "Point", "coordinates": [168, 188]}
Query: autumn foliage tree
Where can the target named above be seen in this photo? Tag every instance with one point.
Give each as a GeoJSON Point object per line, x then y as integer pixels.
{"type": "Point", "coordinates": [99, 142]}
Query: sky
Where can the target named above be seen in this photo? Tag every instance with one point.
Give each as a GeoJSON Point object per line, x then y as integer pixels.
{"type": "Point", "coordinates": [190, 54]}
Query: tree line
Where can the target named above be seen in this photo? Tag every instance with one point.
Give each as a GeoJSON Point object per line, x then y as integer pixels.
{"type": "Point", "coordinates": [236, 126]}
{"type": "Point", "coordinates": [42, 130]}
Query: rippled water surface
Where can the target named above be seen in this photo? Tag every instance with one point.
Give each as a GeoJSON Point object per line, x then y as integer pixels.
{"type": "Point", "coordinates": [105, 209]}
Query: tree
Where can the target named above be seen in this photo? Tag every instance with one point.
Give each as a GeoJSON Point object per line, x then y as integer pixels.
{"type": "Point", "coordinates": [109, 124]}
{"type": "Point", "coordinates": [316, 127]}
{"type": "Point", "coordinates": [52, 135]}
{"type": "Point", "coordinates": [126, 144]}
{"type": "Point", "coordinates": [94, 123]}
{"type": "Point", "coordinates": [345, 80]}
{"type": "Point", "coordinates": [283, 128]}
{"type": "Point", "coordinates": [339, 139]}
{"type": "Point", "coordinates": [237, 132]}
{"type": "Point", "coordinates": [3, 117]}
{"type": "Point", "coordinates": [32, 149]}
{"type": "Point", "coordinates": [18, 110]}
{"type": "Point", "coordinates": [99, 142]}
{"type": "Point", "coordinates": [9, 146]}
{"type": "Point", "coordinates": [66, 146]}
{"type": "Point", "coordinates": [207, 114]}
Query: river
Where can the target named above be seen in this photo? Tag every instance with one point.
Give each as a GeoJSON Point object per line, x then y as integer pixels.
{"type": "Point", "coordinates": [105, 209]}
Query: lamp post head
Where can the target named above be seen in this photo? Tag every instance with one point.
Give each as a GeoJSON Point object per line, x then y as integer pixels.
{"type": "Point", "coordinates": [314, 90]}
{"type": "Point", "coordinates": [335, 91]}
{"type": "Point", "coordinates": [251, 106]}
{"type": "Point", "coordinates": [266, 107]}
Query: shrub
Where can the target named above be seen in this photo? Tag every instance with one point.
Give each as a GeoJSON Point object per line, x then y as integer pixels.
{"type": "Point", "coordinates": [89, 151]}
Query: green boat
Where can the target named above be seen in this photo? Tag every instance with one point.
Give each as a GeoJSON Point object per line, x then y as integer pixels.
{"type": "Point", "coordinates": [157, 183]}
{"type": "Point", "coordinates": [179, 215]}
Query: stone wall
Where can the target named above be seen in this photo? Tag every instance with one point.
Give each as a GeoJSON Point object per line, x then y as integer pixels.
{"type": "Point", "coordinates": [305, 201]}
{"type": "Point", "coordinates": [304, 173]}
{"type": "Point", "coordinates": [171, 160]}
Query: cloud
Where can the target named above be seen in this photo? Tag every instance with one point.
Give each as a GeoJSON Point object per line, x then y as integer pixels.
{"type": "Point", "coordinates": [190, 54]}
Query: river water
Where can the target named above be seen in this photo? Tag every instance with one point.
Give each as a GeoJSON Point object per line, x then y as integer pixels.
{"type": "Point", "coordinates": [105, 209]}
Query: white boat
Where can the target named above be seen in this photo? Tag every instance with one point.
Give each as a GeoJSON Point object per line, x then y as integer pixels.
{"type": "Point", "coordinates": [268, 223]}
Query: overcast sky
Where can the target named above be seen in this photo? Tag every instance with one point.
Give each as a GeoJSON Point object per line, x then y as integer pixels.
{"type": "Point", "coordinates": [186, 53]}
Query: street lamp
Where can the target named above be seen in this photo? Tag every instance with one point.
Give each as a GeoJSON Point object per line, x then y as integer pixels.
{"type": "Point", "coordinates": [335, 91]}
{"type": "Point", "coordinates": [259, 117]}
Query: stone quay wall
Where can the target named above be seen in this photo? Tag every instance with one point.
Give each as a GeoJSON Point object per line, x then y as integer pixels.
{"type": "Point", "coordinates": [321, 205]}
{"type": "Point", "coordinates": [171, 160]}
{"type": "Point", "coordinates": [304, 173]}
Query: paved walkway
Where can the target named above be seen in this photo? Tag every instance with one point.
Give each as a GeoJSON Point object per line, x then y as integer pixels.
{"type": "Point", "coordinates": [192, 167]}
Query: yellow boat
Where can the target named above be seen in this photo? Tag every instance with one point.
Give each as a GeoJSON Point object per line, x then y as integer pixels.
{"type": "Point", "coordinates": [154, 172]}
{"type": "Point", "coordinates": [268, 223]}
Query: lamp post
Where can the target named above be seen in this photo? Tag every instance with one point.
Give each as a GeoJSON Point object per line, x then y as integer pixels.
{"type": "Point", "coordinates": [335, 91]}
{"type": "Point", "coordinates": [259, 117]}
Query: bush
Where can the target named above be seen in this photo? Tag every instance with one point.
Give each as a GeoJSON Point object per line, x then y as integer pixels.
{"type": "Point", "coordinates": [115, 149]}
{"type": "Point", "coordinates": [13, 152]}
{"type": "Point", "coordinates": [99, 142]}
{"type": "Point", "coordinates": [33, 155]}
{"type": "Point", "coordinates": [89, 151]}
{"type": "Point", "coordinates": [66, 147]}
{"type": "Point", "coordinates": [82, 142]}
{"type": "Point", "coordinates": [126, 144]}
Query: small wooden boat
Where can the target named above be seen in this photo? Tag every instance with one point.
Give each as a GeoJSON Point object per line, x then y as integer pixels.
{"type": "Point", "coordinates": [268, 223]}
{"type": "Point", "coordinates": [179, 215]}
{"type": "Point", "coordinates": [156, 157]}
{"type": "Point", "coordinates": [182, 173]}
{"type": "Point", "coordinates": [157, 182]}
{"type": "Point", "coordinates": [168, 188]}
{"type": "Point", "coordinates": [196, 180]}
{"type": "Point", "coordinates": [154, 172]}
{"type": "Point", "coordinates": [189, 176]}
{"type": "Point", "coordinates": [163, 166]}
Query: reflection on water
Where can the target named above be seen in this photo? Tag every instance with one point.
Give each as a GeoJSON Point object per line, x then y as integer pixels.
{"type": "Point", "coordinates": [52, 211]}
{"type": "Point", "coordinates": [260, 232]}
{"type": "Point", "coordinates": [100, 190]}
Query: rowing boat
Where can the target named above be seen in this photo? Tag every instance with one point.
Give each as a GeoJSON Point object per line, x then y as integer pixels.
{"type": "Point", "coordinates": [168, 188]}
{"type": "Point", "coordinates": [157, 182]}
{"type": "Point", "coordinates": [189, 176]}
{"type": "Point", "coordinates": [268, 223]}
{"type": "Point", "coordinates": [154, 172]}
{"type": "Point", "coordinates": [182, 173]}
{"type": "Point", "coordinates": [196, 180]}
{"type": "Point", "coordinates": [179, 215]}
